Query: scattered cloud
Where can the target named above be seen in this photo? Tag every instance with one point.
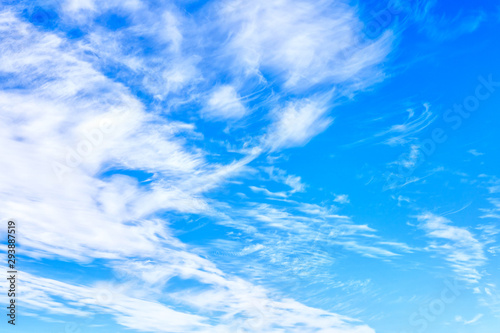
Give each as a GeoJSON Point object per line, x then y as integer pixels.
{"type": "Point", "coordinates": [460, 319]}
{"type": "Point", "coordinates": [405, 133]}
{"type": "Point", "coordinates": [268, 193]}
{"type": "Point", "coordinates": [280, 176]}
{"type": "Point", "coordinates": [474, 152]}
{"type": "Point", "coordinates": [247, 307]}
{"type": "Point", "coordinates": [460, 248]}
{"type": "Point", "coordinates": [341, 198]}
{"type": "Point", "coordinates": [296, 124]}
{"type": "Point", "coordinates": [442, 26]}
{"type": "Point", "coordinates": [492, 212]}
{"type": "Point", "coordinates": [303, 43]}
{"type": "Point", "coordinates": [225, 103]}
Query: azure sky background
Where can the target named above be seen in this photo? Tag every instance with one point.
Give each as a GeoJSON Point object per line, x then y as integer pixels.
{"type": "Point", "coordinates": [252, 166]}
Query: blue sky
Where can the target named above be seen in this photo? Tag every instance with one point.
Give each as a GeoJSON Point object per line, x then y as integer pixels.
{"type": "Point", "coordinates": [252, 166]}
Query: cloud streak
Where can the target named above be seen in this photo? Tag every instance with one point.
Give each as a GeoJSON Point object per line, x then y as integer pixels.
{"type": "Point", "coordinates": [463, 252]}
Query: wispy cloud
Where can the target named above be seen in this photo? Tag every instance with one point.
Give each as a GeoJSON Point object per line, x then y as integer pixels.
{"type": "Point", "coordinates": [492, 212]}
{"type": "Point", "coordinates": [63, 298]}
{"type": "Point", "coordinates": [113, 186]}
{"type": "Point", "coordinates": [460, 248]}
{"type": "Point", "coordinates": [247, 307]}
{"type": "Point", "coordinates": [311, 227]}
{"type": "Point", "coordinates": [443, 26]}
{"type": "Point", "coordinates": [268, 193]}
{"type": "Point", "coordinates": [406, 132]}
{"type": "Point", "coordinates": [280, 176]}
{"type": "Point", "coordinates": [225, 103]}
{"type": "Point", "coordinates": [302, 43]}
{"type": "Point", "coordinates": [492, 183]}
{"type": "Point", "coordinates": [341, 198]}
{"type": "Point", "coordinates": [460, 319]}
{"type": "Point", "coordinates": [474, 152]}
{"type": "Point", "coordinates": [296, 124]}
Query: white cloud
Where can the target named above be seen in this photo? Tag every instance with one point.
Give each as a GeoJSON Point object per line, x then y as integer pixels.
{"type": "Point", "coordinates": [440, 25]}
{"type": "Point", "coordinates": [246, 306]}
{"type": "Point", "coordinates": [492, 183]}
{"type": "Point", "coordinates": [280, 176]}
{"type": "Point", "coordinates": [364, 250]}
{"type": "Point", "coordinates": [460, 248]}
{"type": "Point", "coordinates": [401, 134]}
{"type": "Point", "coordinates": [311, 229]}
{"type": "Point", "coordinates": [134, 313]}
{"type": "Point", "coordinates": [88, 215]}
{"type": "Point", "coordinates": [283, 46]}
{"type": "Point", "coordinates": [492, 212]}
{"type": "Point", "coordinates": [302, 42]}
{"type": "Point", "coordinates": [268, 193]}
{"type": "Point", "coordinates": [225, 103]}
{"type": "Point", "coordinates": [341, 198]}
{"type": "Point", "coordinates": [460, 319]}
{"type": "Point", "coordinates": [296, 124]}
{"type": "Point", "coordinates": [401, 246]}
{"type": "Point", "coordinates": [56, 121]}
{"type": "Point", "coordinates": [410, 160]}
{"type": "Point", "coordinates": [474, 152]}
